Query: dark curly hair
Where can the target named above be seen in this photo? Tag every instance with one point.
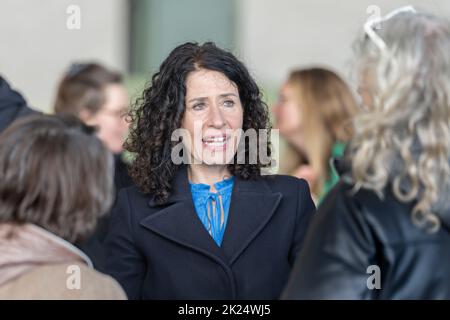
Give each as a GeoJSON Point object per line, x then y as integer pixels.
{"type": "Point", "coordinates": [160, 109]}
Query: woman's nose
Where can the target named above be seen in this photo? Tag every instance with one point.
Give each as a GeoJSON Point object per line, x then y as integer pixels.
{"type": "Point", "coordinates": [216, 117]}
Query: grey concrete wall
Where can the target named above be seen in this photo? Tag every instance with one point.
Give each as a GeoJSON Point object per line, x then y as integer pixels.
{"type": "Point", "coordinates": [271, 36]}
{"type": "Point", "coordinates": [37, 46]}
{"type": "Point", "coordinates": [277, 35]}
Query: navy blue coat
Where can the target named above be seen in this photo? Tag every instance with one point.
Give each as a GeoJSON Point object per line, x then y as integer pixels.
{"type": "Point", "coordinates": [164, 252]}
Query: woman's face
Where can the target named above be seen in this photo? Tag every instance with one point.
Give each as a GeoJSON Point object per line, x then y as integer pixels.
{"type": "Point", "coordinates": [213, 117]}
{"type": "Point", "coordinates": [110, 119]}
{"type": "Point", "coordinates": [287, 112]}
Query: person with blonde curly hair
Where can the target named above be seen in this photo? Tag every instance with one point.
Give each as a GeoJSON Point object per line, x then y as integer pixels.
{"type": "Point", "coordinates": [383, 232]}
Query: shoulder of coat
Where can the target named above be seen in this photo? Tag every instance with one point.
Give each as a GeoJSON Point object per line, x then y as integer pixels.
{"type": "Point", "coordinates": [63, 281]}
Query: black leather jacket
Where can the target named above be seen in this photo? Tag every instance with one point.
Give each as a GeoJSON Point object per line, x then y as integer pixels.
{"type": "Point", "coordinates": [353, 235]}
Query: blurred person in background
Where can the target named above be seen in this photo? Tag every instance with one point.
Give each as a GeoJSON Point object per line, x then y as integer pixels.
{"type": "Point", "coordinates": [384, 231]}
{"type": "Point", "coordinates": [97, 96]}
{"type": "Point", "coordinates": [56, 181]}
{"type": "Point", "coordinates": [12, 105]}
{"type": "Point", "coordinates": [314, 115]}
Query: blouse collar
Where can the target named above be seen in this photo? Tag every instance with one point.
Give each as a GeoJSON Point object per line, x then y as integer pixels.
{"type": "Point", "coordinates": [220, 186]}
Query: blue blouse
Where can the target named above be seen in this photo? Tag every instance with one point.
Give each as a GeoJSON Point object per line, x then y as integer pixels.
{"type": "Point", "coordinates": [212, 208]}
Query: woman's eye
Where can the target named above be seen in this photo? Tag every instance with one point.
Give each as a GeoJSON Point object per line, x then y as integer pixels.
{"type": "Point", "coordinates": [228, 103]}
{"type": "Point", "coordinates": [198, 106]}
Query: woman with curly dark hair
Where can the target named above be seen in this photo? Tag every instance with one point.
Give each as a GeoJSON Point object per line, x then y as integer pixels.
{"type": "Point", "coordinates": [202, 222]}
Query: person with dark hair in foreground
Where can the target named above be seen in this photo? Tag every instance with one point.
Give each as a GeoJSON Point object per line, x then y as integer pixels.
{"type": "Point", "coordinates": [210, 226]}
{"type": "Point", "coordinates": [56, 181]}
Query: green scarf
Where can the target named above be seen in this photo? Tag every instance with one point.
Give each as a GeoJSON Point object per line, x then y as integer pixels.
{"type": "Point", "coordinates": [337, 151]}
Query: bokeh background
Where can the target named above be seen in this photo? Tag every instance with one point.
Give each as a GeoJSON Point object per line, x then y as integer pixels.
{"type": "Point", "coordinates": [133, 36]}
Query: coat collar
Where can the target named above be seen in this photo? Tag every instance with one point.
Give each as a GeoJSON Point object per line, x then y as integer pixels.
{"type": "Point", "coordinates": [24, 247]}
{"type": "Point", "coordinates": [252, 205]}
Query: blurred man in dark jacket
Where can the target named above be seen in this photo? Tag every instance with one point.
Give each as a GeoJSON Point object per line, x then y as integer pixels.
{"type": "Point", "coordinates": [12, 105]}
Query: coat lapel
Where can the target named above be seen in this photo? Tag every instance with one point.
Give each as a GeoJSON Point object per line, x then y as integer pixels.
{"type": "Point", "coordinates": [252, 206]}
{"type": "Point", "coordinates": [178, 221]}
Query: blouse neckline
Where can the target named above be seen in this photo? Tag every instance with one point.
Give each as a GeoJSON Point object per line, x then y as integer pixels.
{"type": "Point", "coordinates": [221, 186]}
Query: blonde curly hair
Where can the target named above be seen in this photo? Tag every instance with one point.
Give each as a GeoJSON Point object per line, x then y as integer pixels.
{"type": "Point", "coordinates": [402, 139]}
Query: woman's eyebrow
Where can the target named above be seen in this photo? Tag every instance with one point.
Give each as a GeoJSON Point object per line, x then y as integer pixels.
{"type": "Point", "coordinates": [200, 99]}
{"type": "Point", "coordinates": [224, 95]}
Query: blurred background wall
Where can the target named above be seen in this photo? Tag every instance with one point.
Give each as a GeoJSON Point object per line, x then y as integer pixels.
{"type": "Point", "coordinates": [133, 36]}
{"type": "Point", "coordinates": [37, 46]}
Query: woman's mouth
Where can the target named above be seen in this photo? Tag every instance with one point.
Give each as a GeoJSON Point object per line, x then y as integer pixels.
{"type": "Point", "coordinates": [216, 143]}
